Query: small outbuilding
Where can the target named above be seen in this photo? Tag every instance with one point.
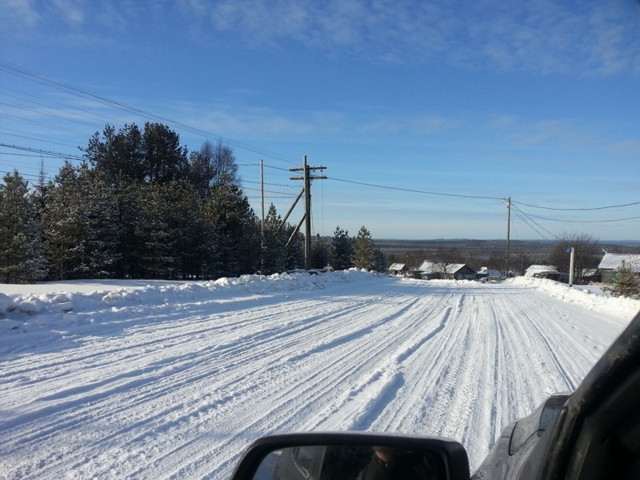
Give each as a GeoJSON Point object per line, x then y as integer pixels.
{"type": "Point", "coordinates": [397, 269]}
{"type": "Point", "coordinates": [542, 271]}
{"type": "Point", "coordinates": [489, 275]}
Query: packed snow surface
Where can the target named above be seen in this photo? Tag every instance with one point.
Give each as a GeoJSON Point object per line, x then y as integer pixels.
{"type": "Point", "coordinates": [175, 379]}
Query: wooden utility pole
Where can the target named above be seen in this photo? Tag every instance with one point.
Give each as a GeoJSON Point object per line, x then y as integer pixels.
{"type": "Point", "coordinates": [262, 198]}
{"type": "Point", "coordinates": [306, 178]}
{"type": "Point", "coordinates": [508, 236]}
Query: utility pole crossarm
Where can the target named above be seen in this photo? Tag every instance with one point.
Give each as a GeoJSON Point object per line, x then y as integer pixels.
{"type": "Point", "coordinates": [313, 177]}
{"type": "Point", "coordinates": [306, 178]}
{"type": "Point", "coordinates": [310, 177]}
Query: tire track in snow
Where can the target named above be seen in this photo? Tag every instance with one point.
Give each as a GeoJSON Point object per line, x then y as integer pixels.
{"type": "Point", "coordinates": [391, 362]}
{"type": "Point", "coordinates": [182, 398]}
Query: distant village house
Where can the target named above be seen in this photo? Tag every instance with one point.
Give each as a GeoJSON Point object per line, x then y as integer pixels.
{"type": "Point", "coordinates": [446, 271]}
{"type": "Point", "coordinates": [612, 262]}
{"type": "Point", "coordinates": [398, 269]}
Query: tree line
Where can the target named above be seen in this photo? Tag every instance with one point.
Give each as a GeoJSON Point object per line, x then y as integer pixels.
{"type": "Point", "coordinates": [141, 205]}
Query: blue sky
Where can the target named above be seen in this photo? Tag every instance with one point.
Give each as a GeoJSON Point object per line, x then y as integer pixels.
{"type": "Point", "coordinates": [427, 114]}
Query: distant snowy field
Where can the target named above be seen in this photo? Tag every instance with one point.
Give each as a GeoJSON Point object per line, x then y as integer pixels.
{"type": "Point", "coordinates": [140, 379]}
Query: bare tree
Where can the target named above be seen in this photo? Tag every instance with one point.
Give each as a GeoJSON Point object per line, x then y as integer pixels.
{"type": "Point", "coordinates": [586, 254]}
{"type": "Point", "coordinates": [224, 166]}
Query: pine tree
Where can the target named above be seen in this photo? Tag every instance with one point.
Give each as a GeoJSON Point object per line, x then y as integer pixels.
{"type": "Point", "coordinates": [625, 284]}
{"type": "Point", "coordinates": [379, 261]}
{"type": "Point", "coordinates": [320, 253]}
{"type": "Point", "coordinates": [153, 155]}
{"type": "Point", "coordinates": [274, 252]}
{"type": "Point", "coordinates": [235, 230]}
{"type": "Point", "coordinates": [164, 159]}
{"type": "Point", "coordinates": [117, 155]}
{"type": "Point", "coordinates": [79, 216]}
{"type": "Point", "coordinates": [155, 237]}
{"type": "Point", "coordinates": [364, 250]}
{"type": "Point", "coordinates": [21, 248]}
{"type": "Point", "coordinates": [127, 255]}
{"type": "Point", "coordinates": [341, 250]}
{"type": "Point", "coordinates": [294, 257]}
{"type": "Point", "coordinates": [190, 230]}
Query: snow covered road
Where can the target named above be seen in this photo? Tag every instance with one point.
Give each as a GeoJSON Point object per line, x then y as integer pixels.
{"type": "Point", "coordinates": [175, 380]}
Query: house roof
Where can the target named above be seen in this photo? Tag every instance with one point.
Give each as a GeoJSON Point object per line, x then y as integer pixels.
{"type": "Point", "coordinates": [490, 272]}
{"type": "Point", "coordinates": [434, 267]}
{"type": "Point", "coordinates": [533, 269]}
{"type": "Point", "coordinates": [613, 261]}
{"type": "Point", "coordinates": [396, 266]}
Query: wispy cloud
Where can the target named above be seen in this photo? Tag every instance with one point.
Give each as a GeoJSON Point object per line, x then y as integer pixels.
{"type": "Point", "coordinates": [70, 11]}
{"type": "Point", "coordinates": [598, 38]}
{"type": "Point", "coordinates": [543, 36]}
{"type": "Point", "coordinates": [23, 13]}
{"type": "Point", "coordinates": [413, 125]}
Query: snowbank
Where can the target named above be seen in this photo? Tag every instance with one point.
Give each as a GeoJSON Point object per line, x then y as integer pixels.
{"type": "Point", "coordinates": [57, 303]}
{"type": "Point", "coordinates": [586, 296]}
{"type": "Point", "coordinates": [51, 301]}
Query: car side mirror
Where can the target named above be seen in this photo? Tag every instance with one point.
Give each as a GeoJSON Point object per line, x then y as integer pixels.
{"type": "Point", "coordinates": [351, 456]}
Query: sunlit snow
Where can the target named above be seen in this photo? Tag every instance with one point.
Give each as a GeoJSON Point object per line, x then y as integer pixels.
{"type": "Point", "coordinates": [141, 379]}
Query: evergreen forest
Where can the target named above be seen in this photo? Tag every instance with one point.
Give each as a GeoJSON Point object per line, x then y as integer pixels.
{"type": "Point", "coordinates": [142, 206]}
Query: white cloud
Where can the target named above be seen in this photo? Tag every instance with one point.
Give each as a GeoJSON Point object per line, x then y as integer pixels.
{"type": "Point", "coordinates": [71, 11]}
{"type": "Point", "coordinates": [542, 36]}
{"type": "Point", "coordinates": [22, 13]}
{"type": "Point", "coordinates": [416, 125]}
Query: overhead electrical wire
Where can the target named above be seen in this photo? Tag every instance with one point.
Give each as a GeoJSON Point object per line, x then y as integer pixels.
{"type": "Point", "coordinates": [526, 218]}
{"type": "Point", "coordinates": [411, 190]}
{"type": "Point", "coordinates": [12, 69]}
{"type": "Point", "coordinates": [577, 209]}
{"type": "Point", "coordinates": [44, 153]}
{"type": "Point", "coordinates": [39, 153]}
{"type": "Point", "coordinates": [22, 73]}
{"type": "Point", "coordinates": [532, 227]}
{"type": "Point", "coordinates": [611, 220]}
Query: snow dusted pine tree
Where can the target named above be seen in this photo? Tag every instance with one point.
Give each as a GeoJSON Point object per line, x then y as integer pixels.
{"type": "Point", "coordinates": [320, 253]}
{"type": "Point", "coordinates": [363, 252]}
{"type": "Point", "coordinates": [274, 251]}
{"type": "Point", "coordinates": [22, 257]}
{"type": "Point", "coordinates": [625, 283]}
{"type": "Point", "coordinates": [79, 217]}
{"type": "Point", "coordinates": [295, 249]}
{"type": "Point", "coordinates": [341, 250]}
{"type": "Point", "coordinates": [156, 243]}
{"type": "Point", "coordinates": [235, 231]}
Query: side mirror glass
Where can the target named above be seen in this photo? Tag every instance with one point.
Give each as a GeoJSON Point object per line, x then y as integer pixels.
{"type": "Point", "coordinates": [352, 456]}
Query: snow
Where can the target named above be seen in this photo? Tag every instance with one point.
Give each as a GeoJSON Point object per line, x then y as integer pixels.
{"type": "Point", "coordinates": [140, 379]}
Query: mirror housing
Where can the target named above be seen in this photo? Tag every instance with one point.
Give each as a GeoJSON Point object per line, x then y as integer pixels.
{"type": "Point", "coordinates": [536, 423]}
{"type": "Point", "coordinates": [450, 455]}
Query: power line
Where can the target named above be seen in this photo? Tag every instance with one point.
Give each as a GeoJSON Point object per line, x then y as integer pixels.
{"type": "Point", "coordinates": [529, 221]}
{"type": "Point", "coordinates": [410, 190]}
{"type": "Point", "coordinates": [578, 209]}
{"type": "Point", "coordinates": [14, 70]}
{"type": "Point", "coordinates": [24, 175]}
{"type": "Point", "coordinates": [39, 153]}
{"type": "Point", "coordinates": [584, 221]}
{"type": "Point", "coordinates": [271, 184]}
{"type": "Point", "coordinates": [34, 139]}
{"type": "Point", "coordinates": [45, 153]}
